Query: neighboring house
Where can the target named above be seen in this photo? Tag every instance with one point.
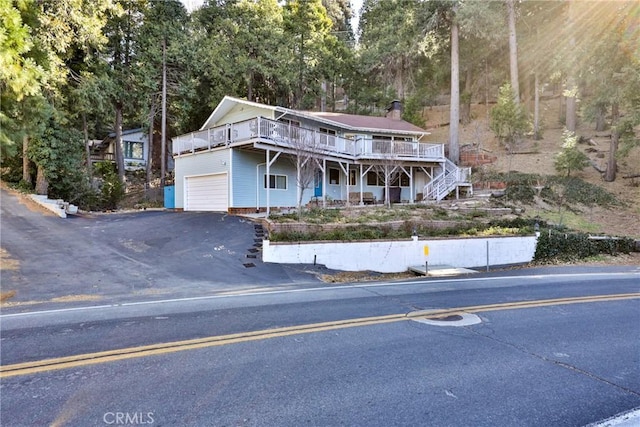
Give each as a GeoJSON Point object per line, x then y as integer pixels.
{"type": "Point", "coordinates": [251, 157]}
{"type": "Point", "coordinates": [135, 149]}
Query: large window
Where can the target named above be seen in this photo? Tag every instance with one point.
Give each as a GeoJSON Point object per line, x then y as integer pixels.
{"type": "Point", "coordinates": [334, 177]}
{"type": "Point", "coordinates": [278, 182]}
{"type": "Point", "coordinates": [375, 179]}
{"type": "Point", "coordinates": [327, 137]}
{"type": "Point", "coordinates": [133, 150]}
{"type": "Point", "coordinates": [352, 177]}
{"type": "Point", "coordinates": [402, 181]}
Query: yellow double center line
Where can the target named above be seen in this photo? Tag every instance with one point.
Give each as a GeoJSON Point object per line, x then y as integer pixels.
{"type": "Point", "coordinates": [171, 347]}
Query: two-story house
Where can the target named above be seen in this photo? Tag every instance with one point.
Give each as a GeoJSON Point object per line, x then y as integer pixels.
{"type": "Point", "coordinates": [251, 157]}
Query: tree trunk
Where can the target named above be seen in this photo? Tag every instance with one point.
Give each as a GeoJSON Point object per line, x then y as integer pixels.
{"type": "Point", "coordinates": [571, 114]}
{"type": "Point", "coordinates": [26, 172]}
{"type": "Point", "coordinates": [118, 143]}
{"type": "Point", "coordinates": [163, 125]}
{"type": "Point", "coordinates": [571, 91]}
{"type": "Point", "coordinates": [536, 108]}
{"type": "Point", "coordinates": [87, 147]}
{"type": "Point", "coordinates": [465, 106]}
{"type": "Point", "coordinates": [454, 113]}
{"type": "Point", "coordinates": [249, 85]}
{"type": "Point", "coordinates": [513, 50]}
{"type": "Point", "coordinates": [612, 164]}
{"type": "Point", "coordinates": [486, 91]}
{"type": "Point", "coordinates": [600, 118]}
{"type": "Point", "coordinates": [152, 115]}
{"type": "Point", "coordinates": [562, 110]}
{"type": "Point", "coordinates": [42, 185]}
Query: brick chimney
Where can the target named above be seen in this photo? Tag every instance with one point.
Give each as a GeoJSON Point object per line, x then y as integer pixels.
{"type": "Point", "coordinates": [394, 111]}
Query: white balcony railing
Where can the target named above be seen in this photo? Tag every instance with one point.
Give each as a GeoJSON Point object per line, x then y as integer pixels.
{"type": "Point", "coordinates": [285, 135]}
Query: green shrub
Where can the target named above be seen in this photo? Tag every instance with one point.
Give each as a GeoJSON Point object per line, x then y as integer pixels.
{"type": "Point", "coordinates": [572, 246]}
{"type": "Point", "coordinates": [508, 119]}
{"type": "Point", "coordinates": [111, 190]}
{"type": "Point", "coordinates": [570, 158]}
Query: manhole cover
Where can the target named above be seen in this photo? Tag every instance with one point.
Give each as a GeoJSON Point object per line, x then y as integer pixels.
{"type": "Point", "coordinates": [249, 265]}
{"type": "Point", "coordinates": [464, 319]}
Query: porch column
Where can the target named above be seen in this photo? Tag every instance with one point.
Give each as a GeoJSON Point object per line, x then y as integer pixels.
{"type": "Point", "coordinates": [345, 169]}
{"type": "Point", "coordinates": [412, 190]}
{"type": "Point", "coordinates": [270, 161]}
{"type": "Point", "coordinates": [268, 181]}
{"type": "Point", "coordinates": [361, 184]}
{"type": "Point", "coordinates": [324, 183]}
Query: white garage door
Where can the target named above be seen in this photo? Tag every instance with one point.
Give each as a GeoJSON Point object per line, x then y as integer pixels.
{"type": "Point", "coordinates": [206, 193]}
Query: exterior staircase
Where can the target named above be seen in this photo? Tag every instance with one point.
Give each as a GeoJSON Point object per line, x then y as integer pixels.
{"type": "Point", "coordinates": [450, 178]}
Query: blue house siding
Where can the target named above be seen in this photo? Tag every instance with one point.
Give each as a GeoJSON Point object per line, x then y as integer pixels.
{"type": "Point", "coordinates": [198, 164]}
{"type": "Point", "coordinates": [248, 174]}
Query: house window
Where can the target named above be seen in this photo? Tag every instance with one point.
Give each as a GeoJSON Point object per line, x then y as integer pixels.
{"type": "Point", "coordinates": [292, 129]}
{"type": "Point", "coordinates": [293, 123]}
{"type": "Point", "coordinates": [133, 150]}
{"type": "Point", "coordinates": [278, 182]}
{"type": "Point", "coordinates": [334, 177]}
{"type": "Point", "coordinates": [352, 177]}
{"type": "Point", "coordinates": [373, 179]}
{"type": "Point", "coordinates": [402, 181]}
{"type": "Point", "coordinates": [381, 144]}
{"type": "Point", "coordinates": [327, 137]}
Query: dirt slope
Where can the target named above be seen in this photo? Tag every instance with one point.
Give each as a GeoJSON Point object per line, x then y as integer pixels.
{"type": "Point", "coordinates": [538, 157]}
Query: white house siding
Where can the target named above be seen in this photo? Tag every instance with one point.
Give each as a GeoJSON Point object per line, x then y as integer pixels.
{"type": "Point", "coordinates": [203, 163]}
{"type": "Point", "coordinates": [243, 112]}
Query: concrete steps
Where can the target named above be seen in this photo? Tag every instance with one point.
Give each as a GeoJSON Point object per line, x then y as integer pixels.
{"type": "Point", "coordinates": [57, 206]}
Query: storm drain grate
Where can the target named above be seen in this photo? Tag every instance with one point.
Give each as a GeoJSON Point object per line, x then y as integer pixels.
{"type": "Point", "coordinates": [249, 265]}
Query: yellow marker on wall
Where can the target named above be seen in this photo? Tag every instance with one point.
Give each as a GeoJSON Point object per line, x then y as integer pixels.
{"type": "Point", "coordinates": [426, 250]}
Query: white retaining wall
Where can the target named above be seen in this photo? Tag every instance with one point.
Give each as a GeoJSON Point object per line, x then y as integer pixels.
{"type": "Point", "coordinates": [398, 256]}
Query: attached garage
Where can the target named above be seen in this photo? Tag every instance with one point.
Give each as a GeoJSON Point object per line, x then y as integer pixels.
{"type": "Point", "coordinates": [206, 193]}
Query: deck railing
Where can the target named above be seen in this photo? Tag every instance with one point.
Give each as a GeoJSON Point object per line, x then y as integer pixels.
{"type": "Point", "coordinates": [297, 138]}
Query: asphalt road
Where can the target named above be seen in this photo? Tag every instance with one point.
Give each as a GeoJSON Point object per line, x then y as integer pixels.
{"type": "Point", "coordinates": [336, 356]}
{"type": "Point", "coordinates": [140, 255]}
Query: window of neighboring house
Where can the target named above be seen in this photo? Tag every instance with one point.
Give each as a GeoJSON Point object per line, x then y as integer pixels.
{"type": "Point", "coordinates": [373, 179]}
{"type": "Point", "coordinates": [352, 177]}
{"type": "Point", "coordinates": [133, 150]}
{"type": "Point", "coordinates": [334, 176]}
{"type": "Point", "coordinates": [327, 137]}
{"type": "Point", "coordinates": [278, 182]}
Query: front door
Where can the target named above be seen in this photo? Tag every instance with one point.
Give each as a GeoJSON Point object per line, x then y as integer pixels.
{"type": "Point", "coordinates": [317, 184]}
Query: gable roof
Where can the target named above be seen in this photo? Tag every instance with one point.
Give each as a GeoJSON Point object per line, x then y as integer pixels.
{"type": "Point", "coordinates": [351, 122]}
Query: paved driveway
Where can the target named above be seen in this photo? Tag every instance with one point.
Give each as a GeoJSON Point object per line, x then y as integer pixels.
{"type": "Point", "coordinates": [132, 256]}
